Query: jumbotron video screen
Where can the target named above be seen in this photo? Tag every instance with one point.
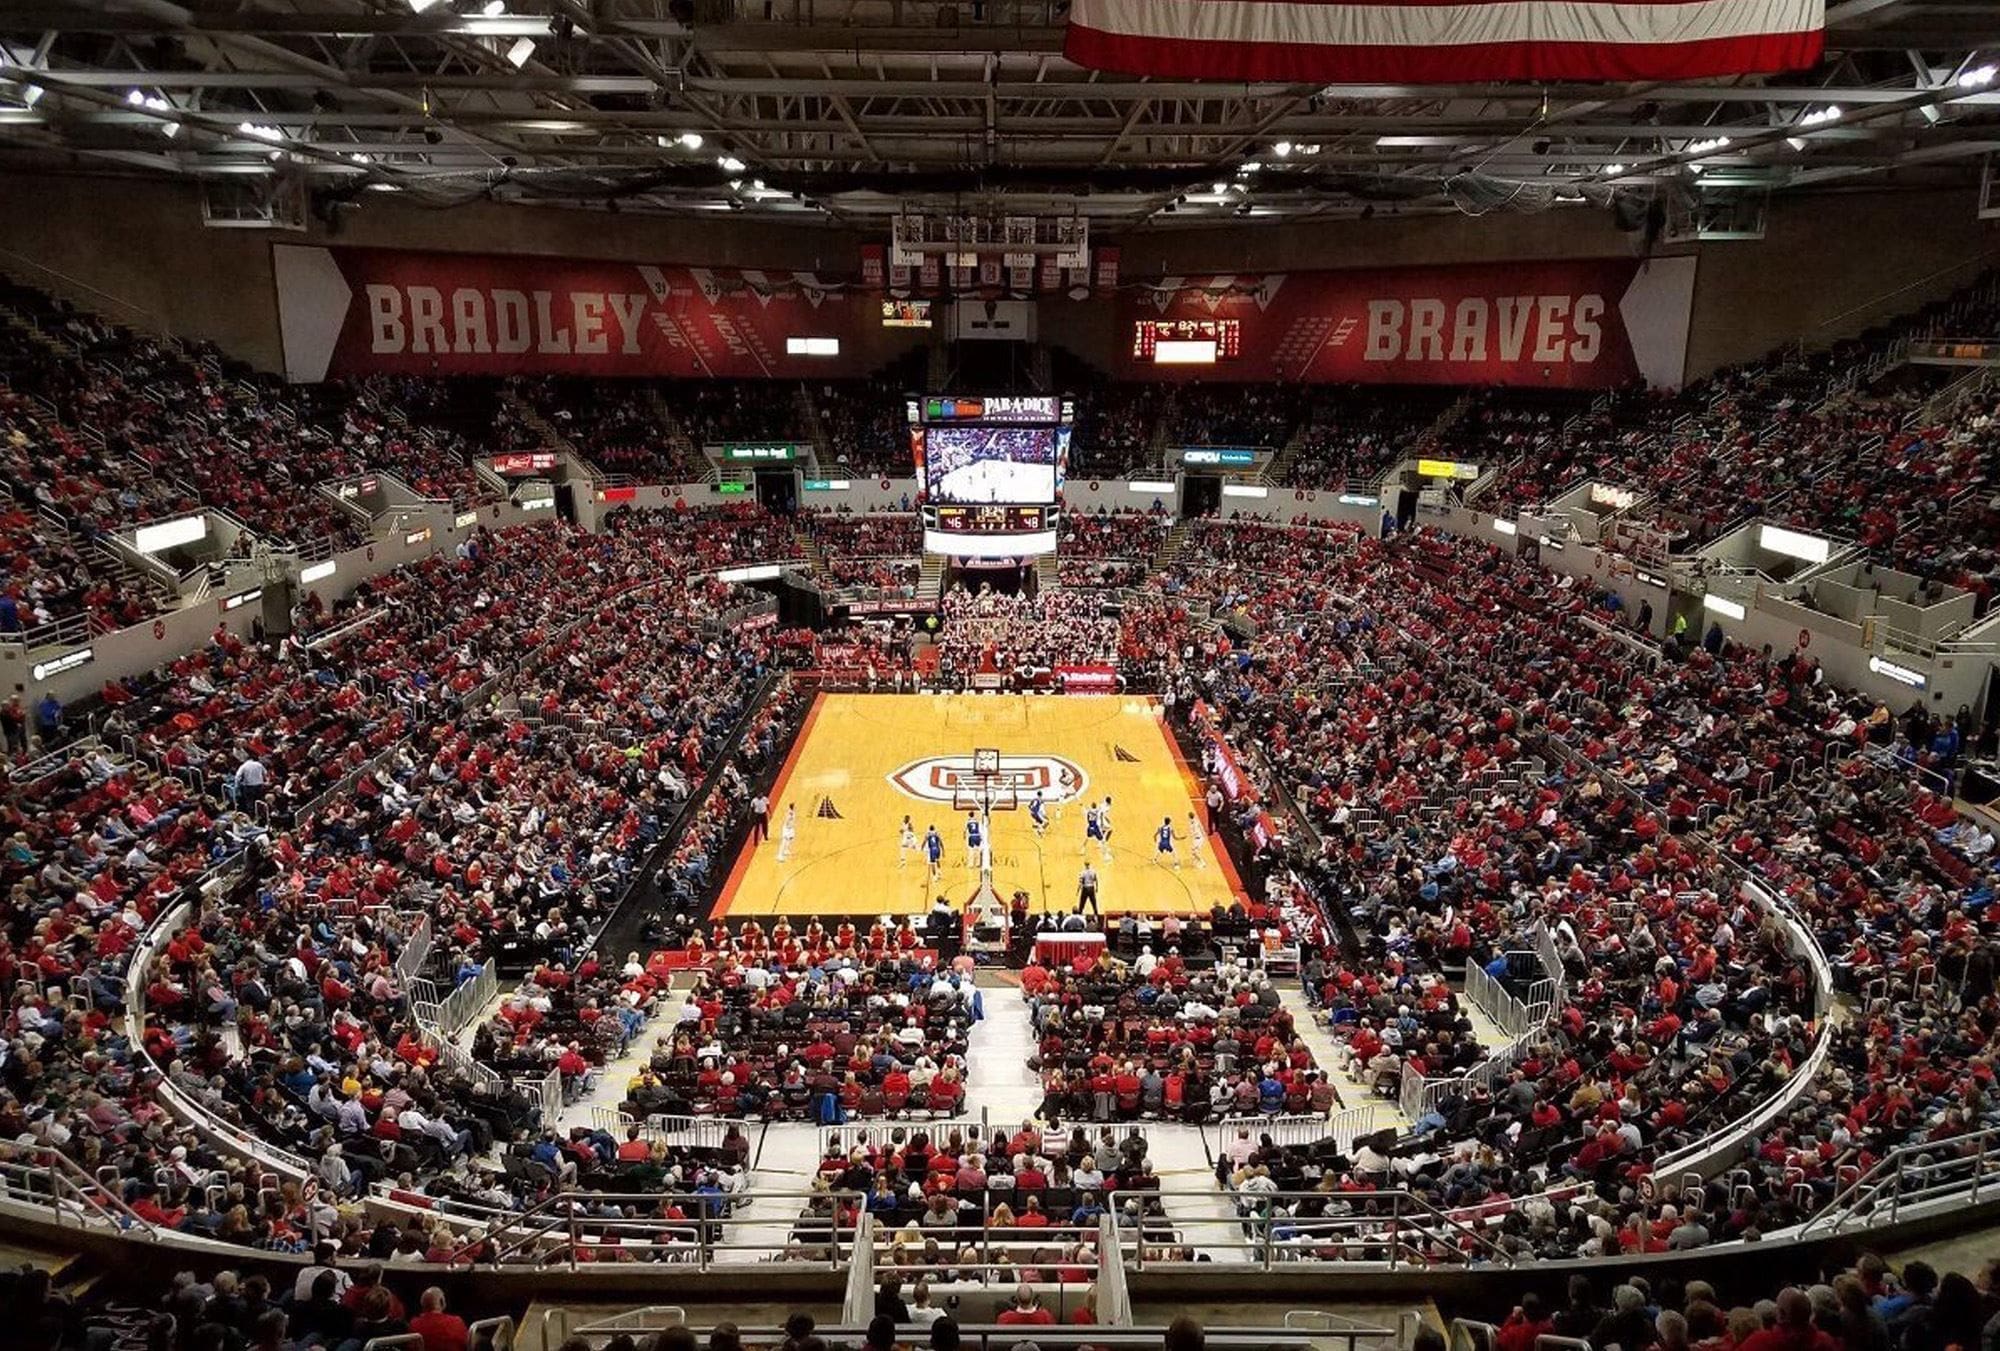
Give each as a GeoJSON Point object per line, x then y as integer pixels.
{"type": "Point", "coordinates": [991, 468]}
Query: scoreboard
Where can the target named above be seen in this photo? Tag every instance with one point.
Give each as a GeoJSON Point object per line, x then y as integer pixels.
{"type": "Point", "coordinates": [989, 531]}
{"type": "Point", "coordinates": [1186, 342]}
{"type": "Point", "coordinates": [990, 520]}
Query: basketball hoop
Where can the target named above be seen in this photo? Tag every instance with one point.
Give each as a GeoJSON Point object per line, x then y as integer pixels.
{"type": "Point", "coordinates": [987, 790]}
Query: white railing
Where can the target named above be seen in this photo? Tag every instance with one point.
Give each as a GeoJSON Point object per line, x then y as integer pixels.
{"type": "Point", "coordinates": [1514, 1016]}
{"type": "Point", "coordinates": [457, 1010]}
{"type": "Point", "coordinates": [545, 1091]}
{"type": "Point", "coordinates": [416, 952]}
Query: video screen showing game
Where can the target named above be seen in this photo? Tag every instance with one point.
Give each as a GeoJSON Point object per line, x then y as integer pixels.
{"type": "Point", "coordinates": [971, 465]}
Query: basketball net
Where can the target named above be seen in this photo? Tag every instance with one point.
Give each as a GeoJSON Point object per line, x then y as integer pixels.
{"type": "Point", "coordinates": [986, 899]}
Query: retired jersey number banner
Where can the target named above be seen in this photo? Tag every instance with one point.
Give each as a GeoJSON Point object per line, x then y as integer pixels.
{"type": "Point", "coordinates": [1594, 323]}
{"type": "Point", "coordinates": [1412, 41]}
{"type": "Point", "coordinates": [354, 311]}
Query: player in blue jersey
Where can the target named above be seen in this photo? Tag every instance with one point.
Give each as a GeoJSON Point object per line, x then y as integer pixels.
{"type": "Point", "coordinates": [1038, 814]}
{"type": "Point", "coordinates": [975, 836]}
{"type": "Point", "coordinates": [934, 850]}
{"type": "Point", "coordinates": [1165, 837]}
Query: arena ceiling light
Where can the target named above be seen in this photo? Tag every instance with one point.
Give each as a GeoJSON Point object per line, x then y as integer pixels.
{"type": "Point", "coordinates": [519, 53]}
{"type": "Point", "coordinates": [812, 347]}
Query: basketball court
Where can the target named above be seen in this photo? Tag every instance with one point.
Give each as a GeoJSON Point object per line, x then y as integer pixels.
{"type": "Point", "coordinates": [862, 762]}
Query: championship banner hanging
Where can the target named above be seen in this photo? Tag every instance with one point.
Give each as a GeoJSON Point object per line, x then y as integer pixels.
{"type": "Point", "coordinates": [1594, 323]}
{"type": "Point", "coordinates": [354, 311]}
{"type": "Point", "coordinates": [1411, 41]}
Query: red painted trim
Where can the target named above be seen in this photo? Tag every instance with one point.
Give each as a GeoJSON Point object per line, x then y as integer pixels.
{"type": "Point", "coordinates": [727, 899]}
{"type": "Point", "coordinates": [1185, 58]}
{"type": "Point", "coordinates": [1197, 800]}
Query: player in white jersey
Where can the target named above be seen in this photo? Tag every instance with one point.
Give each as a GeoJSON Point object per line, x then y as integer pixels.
{"type": "Point", "coordinates": [975, 836]}
{"type": "Point", "coordinates": [1094, 829]}
{"type": "Point", "coordinates": [788, 832]}
{"type": "Point", "coordinates": [1196, 839]}
{"type": "Point", "coordinates": [906, 844]}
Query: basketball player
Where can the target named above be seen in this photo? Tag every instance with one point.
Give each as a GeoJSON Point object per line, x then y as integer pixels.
{"type": "Point", "coordinates": [788, 832]}
{"type": "Point", "coordinates": [1104, 813]}
{"type": "Point", "coordinates": [1196, 840]}
{"type": "Point", "coordinates": [1086, 890]}
{"type": "Point", "coordinates": [1038, 814]}
{"type": "Point", "coordinates": [934, 851]}
{"type": "Point", "coordinates": [906, 844]}
{"type": "Point", "coordinates": [974, 837]}
{"type": "Point", "coordinates": [1093, 829]}
{"type": "Point", "coordinates": [1165, 836]}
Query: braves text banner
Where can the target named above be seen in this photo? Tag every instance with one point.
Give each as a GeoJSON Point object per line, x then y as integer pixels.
{"type": "Point", "coordinates": [350, 312]}
{"type": "Point", "coordinates": [1447, 42]}
{"type": "Point", "coordinates": [1576, 324]}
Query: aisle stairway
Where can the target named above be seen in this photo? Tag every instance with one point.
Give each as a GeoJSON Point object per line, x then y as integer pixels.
{"type": "Point", "coordinates": [1170, 547]}
{"type": "Point", "coordinates": [693, 464]}
{"type": "Point", "coordinates": [532, 418]}
{"type": "Point", "coordinates": [1281, 463]}
{"type": "Point", "coordinates": [1047, 576]}
{"type": "Point", "coordinates": [930, 577]}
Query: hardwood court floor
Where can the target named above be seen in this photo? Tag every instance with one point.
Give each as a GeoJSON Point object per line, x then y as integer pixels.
{"type": "Point", "coordinates": [864, 761]}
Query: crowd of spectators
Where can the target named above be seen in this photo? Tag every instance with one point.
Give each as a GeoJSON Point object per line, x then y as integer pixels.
{"type": "Point", "coordinates": [279, 1005]}
{"type": "Point", "coordinates": [714, 411]}
{"type": "Point", "coordinates": [1164, 1038]}
{"type": "Point", "coordinates": [988, 630]}
{"type": "Point", "coordinates": [820, 1022]}
{"type": "Point", "coordinates": [615, 424]}
{"type": "Point", "coordinates": [865, 422]}
{"type": "Point", "coordinates": [1257, 415]}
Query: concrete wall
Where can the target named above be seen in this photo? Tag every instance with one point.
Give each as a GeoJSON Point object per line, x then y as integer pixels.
{"type": "Point", "coordinates": [1830, 264]}
{"type": "Point", "coordinates": [136, 249]}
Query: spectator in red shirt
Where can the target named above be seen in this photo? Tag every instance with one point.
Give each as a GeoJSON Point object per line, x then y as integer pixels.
{"type": "Point", "coordinates": [1027, 1309]}
{"type": "Point", "coordinates": [441, 1331]}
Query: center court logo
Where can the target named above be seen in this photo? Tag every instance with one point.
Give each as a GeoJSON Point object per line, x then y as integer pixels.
{"type": "Point", "coordinates": [939, 777]}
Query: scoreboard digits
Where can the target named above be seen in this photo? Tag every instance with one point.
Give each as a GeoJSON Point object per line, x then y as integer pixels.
{"type": "Point", "coordinates": [1226, 336]}
{"type": "Point", "coordinates": [992, 520]}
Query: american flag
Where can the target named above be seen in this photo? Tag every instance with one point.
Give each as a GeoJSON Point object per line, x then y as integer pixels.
{"type": "Point", "coordinates": [1419, 42]}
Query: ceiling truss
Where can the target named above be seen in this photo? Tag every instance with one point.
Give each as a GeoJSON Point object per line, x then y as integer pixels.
{"type": "Point", "coordinates": [852, 111]}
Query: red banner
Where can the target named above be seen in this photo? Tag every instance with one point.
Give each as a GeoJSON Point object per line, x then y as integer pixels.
{"type": "Point", "coordinates": [1593, 323]}
{"type": "Point", "coordinates": [1444, 42]}
{"type": "Point", "coordinates": [349, 312]}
